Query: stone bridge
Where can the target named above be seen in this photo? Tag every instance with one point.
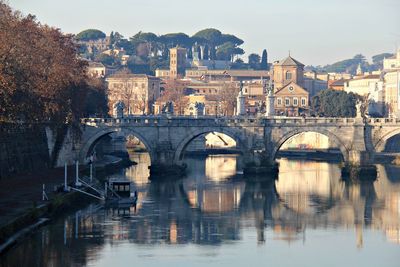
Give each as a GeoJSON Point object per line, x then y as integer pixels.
{"type": "Point", "coordinates": [259, 139]}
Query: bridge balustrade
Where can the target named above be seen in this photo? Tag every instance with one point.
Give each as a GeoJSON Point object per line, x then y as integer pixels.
{"type": "Point", "coordinates": [230, 121]}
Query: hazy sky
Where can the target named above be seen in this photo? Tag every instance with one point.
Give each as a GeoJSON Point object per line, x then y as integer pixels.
{"type": "Point", "coordinates": [315, 31]}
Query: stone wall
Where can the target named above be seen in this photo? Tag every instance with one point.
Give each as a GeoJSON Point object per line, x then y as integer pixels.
{"type": "Point", "coordinates": [23, 148]}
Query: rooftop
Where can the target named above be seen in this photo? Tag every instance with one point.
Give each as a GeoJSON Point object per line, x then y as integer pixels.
{"type": "Point", "coordinates": [289, 61]}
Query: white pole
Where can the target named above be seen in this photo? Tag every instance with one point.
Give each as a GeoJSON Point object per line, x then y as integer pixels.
{"type": "Point", "coordinates": [65, 177]}
{"type": "Point", "coordinates": [43, 193]}
{"type": "Point", "coordinates": [77, 183]}
{"type": "Point", "coordinates": [91, 171]}
{"type": "Point", "coordinates": [105, 189]}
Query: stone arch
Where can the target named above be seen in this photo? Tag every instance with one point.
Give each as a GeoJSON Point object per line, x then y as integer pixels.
{"type": "Point", "coordinates": [331, 136]}
{"type": "Point", "coordinates": [197, 132]}
{"type": "Point", "coordinates": [380, 145]}
{"type": "Point", "coordinates": [88, 145]}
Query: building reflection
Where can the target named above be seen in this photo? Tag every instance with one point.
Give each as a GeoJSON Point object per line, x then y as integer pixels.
{"type": "Point", "coordinates": [208, 211]}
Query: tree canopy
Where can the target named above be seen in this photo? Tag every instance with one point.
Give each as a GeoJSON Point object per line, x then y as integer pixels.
{"type": "Point", "coordinates": [333, 103]}
{"type": "Point", "coordinates": [90, 34]}
{"type": "Point", "coordinates": [264, 60]}
{"type": "Point", "coordinates": [41, 78]}
{"type": "Point", "coordinates": [254, 60]}
{"type": "Point", "coordinates": [153, 49]}
{"type": "Point", "coordinates": [211, 36]}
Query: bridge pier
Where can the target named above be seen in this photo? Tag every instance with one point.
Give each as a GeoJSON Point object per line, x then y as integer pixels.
{"type": "Point", "coordinates": [359, 165]}
{"type": "Point", "coordinates": [260, 163]}
{"type": "Point", "coordinates": [163, 163]}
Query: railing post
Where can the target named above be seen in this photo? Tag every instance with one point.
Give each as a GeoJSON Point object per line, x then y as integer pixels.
{"type": "Point", "coordinates": [65, 177]}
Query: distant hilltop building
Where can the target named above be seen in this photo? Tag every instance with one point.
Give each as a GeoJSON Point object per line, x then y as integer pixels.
{"type": "Point", "coordinates": [203, 69]}
{"type": "Point", "coordinates": [97, 46]}
{"type": "Point", "coordinates": [177, 62]}
{"type": "Point", "coordinates": [392, 62]}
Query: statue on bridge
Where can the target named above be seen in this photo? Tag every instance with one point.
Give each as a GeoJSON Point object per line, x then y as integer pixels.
{"type": "Point", "coordinates": [199, 109]}
{"type": "Point", "coordinates": [118, 109]}
{"type": "Point", "coordinates": [168, 108]}
{"type": "Point", "coordinates": [269, 90]}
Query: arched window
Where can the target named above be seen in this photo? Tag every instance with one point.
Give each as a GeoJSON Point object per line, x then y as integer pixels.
{"type": "Point", "coordinates": [288, 75]}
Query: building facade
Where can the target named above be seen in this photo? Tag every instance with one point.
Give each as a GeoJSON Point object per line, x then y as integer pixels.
{"type": "Point", "coordinates": [287, 71]}
{"type": "Point", "coordinates": [291, 100]}
{"type": "Point", "coordinates": [362, 85]}
{"type": "Point", "coordinates": [137, 91]}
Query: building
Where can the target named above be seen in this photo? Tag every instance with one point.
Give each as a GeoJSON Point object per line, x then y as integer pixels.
{"type": "Point", "coordinates": [287, 71]}
{"type": "Point", "coordinates": [95, 47]}
{"type": "Point", "coordinates": [137, 91]}
{"type": "Point", "coordinates": [336, 84]}
{"type": "Point", "coordinates": [392, 92]}
{"type": "Point", "coordinates": [226, 75]}
{"type": "Point", "coordinates": [392, 62]}
{"type": "Point", "coordinates": [315, 82]}
{"type": "Point", "coordinates": [291, 100]}
{"type": "Point", "coordinates": [96, 70]}
{"type": "Point", "coordinates": [177, 62]}
{"type": "Point", "coordinates": [362, 85]}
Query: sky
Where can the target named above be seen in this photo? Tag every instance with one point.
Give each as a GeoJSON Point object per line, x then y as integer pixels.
{"type": "Point", "coordinates": [316, 32]}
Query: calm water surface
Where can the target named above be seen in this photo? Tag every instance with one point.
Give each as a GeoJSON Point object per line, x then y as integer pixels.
{"type": "Point", "coordinates": [308, 217]}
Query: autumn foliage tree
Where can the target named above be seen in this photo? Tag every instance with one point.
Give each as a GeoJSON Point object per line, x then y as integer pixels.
{"type": "Point", "coordinates": [41, 77]}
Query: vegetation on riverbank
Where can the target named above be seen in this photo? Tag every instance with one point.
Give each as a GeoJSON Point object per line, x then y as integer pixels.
{"type": "Point", "coordinates": [41, 78]}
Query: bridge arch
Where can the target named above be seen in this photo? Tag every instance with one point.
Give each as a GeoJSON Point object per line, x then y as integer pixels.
{"type": "Point", "coordinates": [380, 145]}
{"type": "Point", "coordinates": [235, 135]}
{"type": "Point", "coordinates": [90, 143]}
{"type": "Point", "coordinates": [331, 136]}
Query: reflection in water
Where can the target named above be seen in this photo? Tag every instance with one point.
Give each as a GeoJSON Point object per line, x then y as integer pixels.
{"type": "Point", "coordinates": [306, 206]}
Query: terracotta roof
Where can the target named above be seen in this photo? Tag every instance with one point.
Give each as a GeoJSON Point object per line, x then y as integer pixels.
{"type": "Point", "coordinates": [131, 75]}
{"type": "Point", "coordinates": [369, 76]}
{"type": "Point", "coordinates": [339, 82]}
{"type": "Point", "coordinates": [289, 61]}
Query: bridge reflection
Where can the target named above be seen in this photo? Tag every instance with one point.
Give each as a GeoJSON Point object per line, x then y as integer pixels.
{"type": "Point", "coordinates": [211, 209]}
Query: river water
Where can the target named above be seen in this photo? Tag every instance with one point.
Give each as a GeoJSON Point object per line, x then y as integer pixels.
{"type": "Point", "coordinates": [309, 216]}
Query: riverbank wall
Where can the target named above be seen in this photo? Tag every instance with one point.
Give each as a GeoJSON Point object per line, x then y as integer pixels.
{"type": "Point", "coordinates": [20, 227]}
{"type": "Point", "coordinates": [23, 148]}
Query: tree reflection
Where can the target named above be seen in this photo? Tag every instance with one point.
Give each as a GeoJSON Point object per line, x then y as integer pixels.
{"type": "Point", "coordinates": [206, 211]}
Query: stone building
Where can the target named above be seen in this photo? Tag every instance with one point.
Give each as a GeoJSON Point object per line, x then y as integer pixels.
{"type": "Point", "coordinates": [137, 91]}
{"type": "Point", "coordinates": [291, 100]}
{"type": "Point", "coordinates": [177, 63]}
{"type": "Point", "coordinates": [287, 71]}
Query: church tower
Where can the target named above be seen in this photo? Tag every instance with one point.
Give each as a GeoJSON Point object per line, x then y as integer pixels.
{"type": "Point", "coordinates": [286, 71]}
{"type": "Point", "coordinates": [177, 62]}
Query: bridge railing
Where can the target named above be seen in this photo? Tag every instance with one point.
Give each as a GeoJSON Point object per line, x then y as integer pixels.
{"type": "Point", "coordinates": [230, 121]}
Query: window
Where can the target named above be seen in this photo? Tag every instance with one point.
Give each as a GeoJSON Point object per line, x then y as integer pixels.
{"type": "Point", "coordinates": [287, 101]}
{"type": "Point", "coordinates": [288, 75]}
{"type": "Point", "coordinates": [279, 101]}
{"type": "Point", "coordinates": [303, 101]}
{"type": "Point", "coordinates": [295, 101]}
